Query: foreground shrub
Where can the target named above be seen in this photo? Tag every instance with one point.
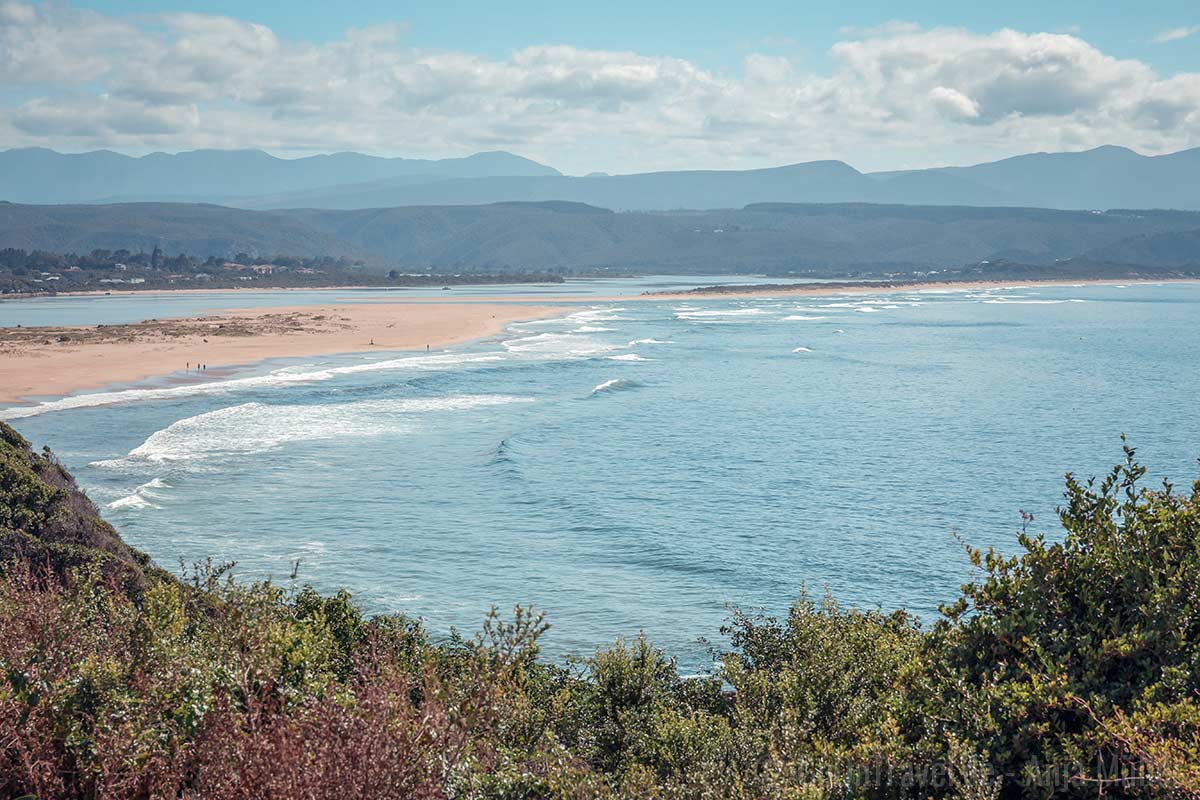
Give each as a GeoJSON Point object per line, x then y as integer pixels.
{"type": "Point", "coordinates": [1080, 659]}
{"type": "Point", "coordinates": [1069, 670]}
{"type": "Point", "coordinates": [105, 697]}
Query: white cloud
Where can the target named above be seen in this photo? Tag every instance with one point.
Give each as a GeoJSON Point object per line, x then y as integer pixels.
{"type": "Point", "coordinates": [1175, 34]}
{"type": "Point", "coordinates": [953, 103]}
{"type": "Point", "coordinates": [895, 95]}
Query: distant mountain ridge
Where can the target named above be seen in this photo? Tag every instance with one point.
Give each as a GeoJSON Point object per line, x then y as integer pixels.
{"type": "Point", "coordinates": [543, 236]}
{"type": "Point", "coordinates": [38, 175]}
{"type": "Point", "coordinates": [1105, 177]}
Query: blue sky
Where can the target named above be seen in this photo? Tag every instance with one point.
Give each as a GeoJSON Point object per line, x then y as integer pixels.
{"type": "Point", "coordinates": [619, 86]}
{"type": "Point", "coordinates": [715, 34]}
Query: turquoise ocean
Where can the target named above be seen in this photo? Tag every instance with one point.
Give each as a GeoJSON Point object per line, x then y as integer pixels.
{"type": "Point", "coordinates": [641, 465]}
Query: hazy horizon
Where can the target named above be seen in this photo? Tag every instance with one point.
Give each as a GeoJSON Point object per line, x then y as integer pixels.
{"type": "Point", "coordinates": [292, 156]}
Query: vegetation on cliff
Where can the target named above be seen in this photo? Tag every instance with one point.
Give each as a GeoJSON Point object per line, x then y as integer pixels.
{"type": "Point", "coordinates": [1069, 669]}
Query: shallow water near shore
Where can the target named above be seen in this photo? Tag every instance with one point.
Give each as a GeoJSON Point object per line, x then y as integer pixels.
{"type": "Point", "coordinates": [641, 465]}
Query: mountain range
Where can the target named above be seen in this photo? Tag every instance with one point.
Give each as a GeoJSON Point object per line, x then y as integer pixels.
{"type": "Point", "coordinates": [1102, 178]}
{"type": "Point", "coordinates": [827, 239]}
{"type": "Point", "coordinates": [38, 175]}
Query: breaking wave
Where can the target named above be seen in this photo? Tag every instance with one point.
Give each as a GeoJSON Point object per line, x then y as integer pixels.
{"type": "Point", "coordinates": [258, 427]}
{"type": "Point", "coordinates": [615, 385]}
{"type": "Point", "coordinates": [281, 377]}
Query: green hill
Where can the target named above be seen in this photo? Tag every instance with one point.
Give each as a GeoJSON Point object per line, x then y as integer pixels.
{"type": "Point", "coordinates": [765, 237]}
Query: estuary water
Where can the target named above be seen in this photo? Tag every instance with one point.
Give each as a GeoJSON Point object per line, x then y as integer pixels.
{"type": "Point", "coordinates": [642, 465]}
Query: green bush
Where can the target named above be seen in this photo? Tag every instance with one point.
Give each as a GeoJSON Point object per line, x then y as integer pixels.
{"type": "Point", "coordinates": [1071, 669]}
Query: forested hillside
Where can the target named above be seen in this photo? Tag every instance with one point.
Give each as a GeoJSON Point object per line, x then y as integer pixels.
{"type": "Point", "coordinates": [773, 238]}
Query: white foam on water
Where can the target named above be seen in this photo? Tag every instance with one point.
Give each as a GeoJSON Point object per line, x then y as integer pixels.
{"type": "Point", "coordinates": [141, 497]}
{"type": "Point", "coordinates": [800, 318]}
{"type": "Point", "coordinates": [1006, 302]}
{"type": "Point", "coordinates": [131, 502]}
{"type": "Point", "coordinates": [628, 357]}
{"type": "Point", "coordinates": [636, 342]}
{"type": "Point", "coordinates": [726, 312]}
{"type": "Point", "coordinates": [593, 329]}
{"type": "Point", "coordinates": [398, 602]}
{"type": "Point", "coordinates": [259, 427]}
{"type": "Point", "coordinates": [562, 345]}
{"type": "Point", "coordinates": [839, 330]}
{"type": "Point", "coordinates": [867, 309]}
{"type": "Point", "coordinates": [802, 350]}
{"type": "Point", "coordinates": [616, 384]}
{"type": "Point", "coordinates": [277, 378]}
{"type": "Point", "coordinates": [598, 315]}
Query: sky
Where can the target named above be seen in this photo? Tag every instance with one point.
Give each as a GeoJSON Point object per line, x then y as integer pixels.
{"type": "Point", "coordinates": [618, 86]}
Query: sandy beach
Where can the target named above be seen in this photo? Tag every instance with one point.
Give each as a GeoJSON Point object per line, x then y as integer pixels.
{"type": "Point", "coordinates": [58, 361]}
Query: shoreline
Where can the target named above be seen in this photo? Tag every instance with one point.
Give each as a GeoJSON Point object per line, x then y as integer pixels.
{"type": "Point", "coordinates": [867, 285]}
{"type": "Point", "coordinates": [35, 364]}
{"type": "Point", "coordinates": [201, 290]}
{"type": "Point", "coordinates": [52, 362]}
{"type": "Point", "coordinates": [734, 291]}
{"type": "Point", "coordinates": [892, 287]}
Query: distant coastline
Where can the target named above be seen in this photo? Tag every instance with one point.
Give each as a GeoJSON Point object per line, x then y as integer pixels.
{"type": "Point", "coordinates": [891, 286]}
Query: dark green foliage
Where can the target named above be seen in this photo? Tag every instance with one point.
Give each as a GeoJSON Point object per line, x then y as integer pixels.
{"type": "Point", "coordinates": [1050, 654]}
{"type": "Point", "coordinates": [1069, 670]}
{"type": "Point", "coordinates": [827, 239]}
{"type": "Point", "coordinates": [46, 519]}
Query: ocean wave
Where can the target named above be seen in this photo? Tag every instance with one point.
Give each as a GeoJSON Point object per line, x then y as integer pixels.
{"type": "Point", "coordinates": [130, 502]}
{"type": "Point", "coordinates": [259, 427]}
{"type": "Point", "coordinates": [1007, 302]}
{"type": "Point", "coordinates": [593, 329]}
{"type": "Point", "coordinates": [628, 357]}
{"type": "Point", "coordinates": [636, 342]}
{"type": "Point", "coordinates": [598, 315]}
{"type": "Point", "coordinates": [140, 498]}
{"type": "Point", "coordinates": [558, 345]}
{"type": "Point", "coordinates": [867, 309]}
{"type": "Point", "coordinates": [615, 385]}
{"type": "Point", "coordinates": [277, 378]}
{"type": "Point", "coordinates": [727, 312]}
{"type": "Point", "coordinates": [800, 318]}
{"type": "Point", "coordinates": [802, 350]}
